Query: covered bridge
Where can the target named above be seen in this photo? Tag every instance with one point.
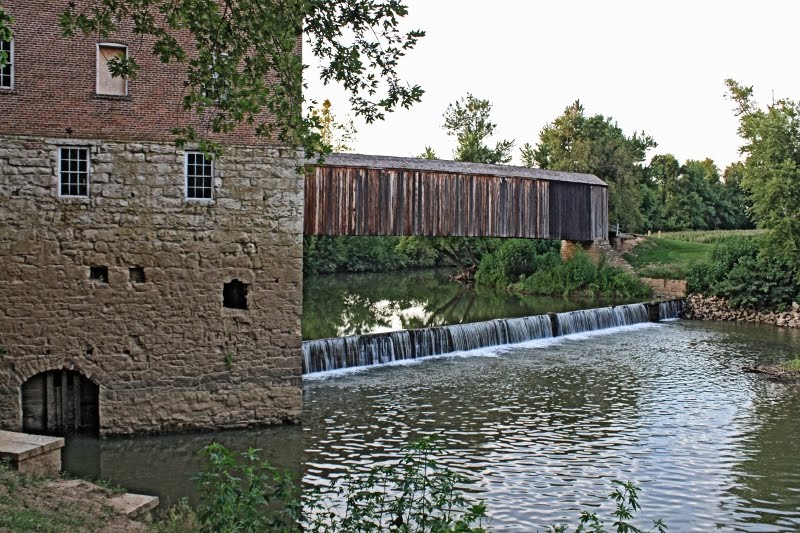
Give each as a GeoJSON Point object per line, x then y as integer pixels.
{"type": "Point", "coordinates": [353, 194]}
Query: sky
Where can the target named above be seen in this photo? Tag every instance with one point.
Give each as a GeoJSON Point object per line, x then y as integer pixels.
{"type": "Point", "coordinates": [653, 66]}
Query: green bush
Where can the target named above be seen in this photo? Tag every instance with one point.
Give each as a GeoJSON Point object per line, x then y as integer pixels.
{"type": "Point", "coordinates": [742, 272]}
{"type": "Point", "coordinates": [580, 275]}
{"type": "Point", "coordinates": [514, 259]}
{"type": "Point", "coordinates": [241, 493]}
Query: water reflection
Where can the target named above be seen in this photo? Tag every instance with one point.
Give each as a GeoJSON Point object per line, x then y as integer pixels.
{"type": "Point", "coordinates": [337, 305]}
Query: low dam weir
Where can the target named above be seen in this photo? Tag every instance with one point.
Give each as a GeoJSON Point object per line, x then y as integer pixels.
{"type": "Point", "coordinates": [322, 355]}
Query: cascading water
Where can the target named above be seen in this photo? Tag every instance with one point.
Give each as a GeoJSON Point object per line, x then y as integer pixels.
{"type": "Point", "coordinates": [602, 318]}
{"type": "Point", "coordinates": [380, 348]}
{"type": "Point", "coordinates": [670, 309]}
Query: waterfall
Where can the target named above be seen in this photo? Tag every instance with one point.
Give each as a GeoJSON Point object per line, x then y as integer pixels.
{"type": "Point", "coordinates": [670, 309]}
{"type": "Point", "coordinates": [380, 348]}
{"type": "Point", "coordinates": [601, 318]}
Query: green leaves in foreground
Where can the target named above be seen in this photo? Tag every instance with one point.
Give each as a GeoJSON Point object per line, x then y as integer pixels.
{"type": "Point", "coordinates": [626, 497]}
{"type": "Point", "coordinates": [240, 493]}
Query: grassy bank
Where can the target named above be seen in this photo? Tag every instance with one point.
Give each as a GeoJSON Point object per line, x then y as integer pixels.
{"type": "Point", "coordinates": [672, 254]}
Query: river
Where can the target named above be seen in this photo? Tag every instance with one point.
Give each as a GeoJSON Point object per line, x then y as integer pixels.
{"type": "Point", "coordinates": [542, 428]}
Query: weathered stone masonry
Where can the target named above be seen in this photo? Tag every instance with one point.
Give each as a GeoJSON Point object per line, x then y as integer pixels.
{"type": "Point", "coordinates": [165, 352]}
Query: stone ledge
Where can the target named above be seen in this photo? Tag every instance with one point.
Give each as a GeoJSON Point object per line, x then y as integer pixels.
{"type": "Point", "coordinates": [31, 453]}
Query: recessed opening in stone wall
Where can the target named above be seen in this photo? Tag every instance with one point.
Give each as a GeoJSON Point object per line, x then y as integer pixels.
{"type": "Point", "coordinates": [98, 273]}
{"type": "Point", "coordinates": [60, 402]}
{"type": "Point", "coordinates": [234, 295]}
{"type": "Point", "coordinates": [136, 274]}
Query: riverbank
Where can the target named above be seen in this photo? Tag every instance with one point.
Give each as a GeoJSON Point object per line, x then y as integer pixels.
{"type": "Point", "coordinates": [699, 307]}
{"type": "Point", "coordinates": [35, 503]}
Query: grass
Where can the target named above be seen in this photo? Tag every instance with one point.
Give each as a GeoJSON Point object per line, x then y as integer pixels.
{"type": "Point", "coordinates": [794, 364]}
{"type": "Point", "coordinates": [710, 236]}
{"type": "Point", "coordinates": [667, 258]}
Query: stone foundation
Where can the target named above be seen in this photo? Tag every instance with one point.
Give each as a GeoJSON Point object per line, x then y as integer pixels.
{"type": "Point", "coordinates": [698, 307]}
{"type": "Point", "coordinates": [594, 249]}
{"type": "Point", "coordinates": [154, 334]}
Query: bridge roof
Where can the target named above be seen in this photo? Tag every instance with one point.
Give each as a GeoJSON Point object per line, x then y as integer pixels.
{"type": "Point", "coordinates": [456, 167]}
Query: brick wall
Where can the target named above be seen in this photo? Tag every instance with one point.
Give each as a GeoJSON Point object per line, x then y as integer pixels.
{"type": "Point", "coordinates": [55, 85]}
{"type": "Point", "coordinates": [166, 354]}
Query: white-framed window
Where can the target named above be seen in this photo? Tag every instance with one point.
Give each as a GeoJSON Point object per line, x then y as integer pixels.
{"type": "Point", "coordinates": [106, 83]}
{"type": "Point", "coordinates": [199, 172]}
{"type": "Point", "coordinates": [73, 171]}
{"type": "Point", "coordinates": [7, 71]}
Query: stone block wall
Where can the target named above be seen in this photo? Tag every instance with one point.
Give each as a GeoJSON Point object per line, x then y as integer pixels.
{"type": "Point", "coordinates": [165, 352]}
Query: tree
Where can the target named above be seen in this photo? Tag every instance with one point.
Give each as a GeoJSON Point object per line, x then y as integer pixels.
{"type": "Point", "coordinates": [468, 120]}
{"type": "Point", "coordinates": [771, 169]}
{"type": "Point", "coordinates": [335, 136]}
{"type": "Point", "coordinates": [428, 153]}
{"type": "Point", "coordinates": [241, 57]}
{"type": "Point", "coordinates": [574, 142]}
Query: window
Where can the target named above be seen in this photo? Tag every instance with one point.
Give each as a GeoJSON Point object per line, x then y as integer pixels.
{"type": "Point", "coordinates": [234, 295]}
{"type": "Point", "coordinates": [199, 177]}
{"type": "Point", "coordinates": [106, 83]}
{"type": "Point", "coordinates": [7, 72]}
{"type": "Point", "coordinates": [73, 171]}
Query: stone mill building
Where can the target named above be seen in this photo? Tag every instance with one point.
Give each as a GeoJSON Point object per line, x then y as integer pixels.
{"type": "Point", "coordinates": [147, 288]}
{"type": "Point", "coordinates": [142, 287]}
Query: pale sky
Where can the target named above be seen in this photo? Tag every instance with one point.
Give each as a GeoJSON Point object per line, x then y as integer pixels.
{"type": "Point", "coordinates": [656, 66]}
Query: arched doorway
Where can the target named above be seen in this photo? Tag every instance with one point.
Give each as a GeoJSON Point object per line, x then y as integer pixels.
{"type": "Point", "coordinates": [60, 402]}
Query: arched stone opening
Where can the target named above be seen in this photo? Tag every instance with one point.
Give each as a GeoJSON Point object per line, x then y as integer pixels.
{"type": "Point", "coordinates": [60, 402]}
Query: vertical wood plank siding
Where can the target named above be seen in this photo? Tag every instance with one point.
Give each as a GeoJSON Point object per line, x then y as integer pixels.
{"type": "Point", "coordinates": [366, 201]}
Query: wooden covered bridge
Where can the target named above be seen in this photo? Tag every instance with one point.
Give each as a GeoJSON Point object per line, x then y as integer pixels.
{"type": "Point", "coordinates": [354, 194]}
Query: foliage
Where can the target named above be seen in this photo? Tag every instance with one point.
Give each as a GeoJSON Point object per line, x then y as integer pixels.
{"type": "Point", "coordinates": [574, 142]}
{"type": "Point", "coordinates": [180, 518]}
{"type": "Point", "coordinates": [6, 34]}
{"type": "Point", "coordinates": [515, 258]}
{"type": "Point", "coordinates": [366, 254]}
{"type": "Point", "coordinates": [335, 136]}
{"type": "Point", "coordinates": [771, 169]}
{"type": "Point", "coordinates": [626, 497]}
{"type": "Point", "coordinates": [416, 494]}
{"type": "Point", "coordinates": [739, 271]}
{"type": "Point", "coordinates": [693, 196]}
{"type": "Point", "coordinates": [241, 59]}
{"type": "Point", "coordinates": [428, 153]}
{"type": "Point", "coordinates": [241, 493]}
{"type": "Point", "coordinates": [468, 120]}
{"type": "Point", "coordinates": [579, 275]}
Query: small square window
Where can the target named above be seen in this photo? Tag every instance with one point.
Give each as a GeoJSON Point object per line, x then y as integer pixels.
{"type": "Point", "coordinates": [136, 275]}
{"type": "Point", "coordinates": [234, 295]}
{"type": "Point", "coordinates": [7, 71]}
{"type": "Point", "coordinates": [106, 82]}
{"type": "Point", "coordinates": [199, 176]}
{"type": "Point", "coordinates": [99, 274]}
{"type": "Point", "coordinates": [73, 171]}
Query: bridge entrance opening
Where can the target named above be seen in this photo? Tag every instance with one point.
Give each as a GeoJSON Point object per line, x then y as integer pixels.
{"type": "Point", "coordinates": [60, 402]}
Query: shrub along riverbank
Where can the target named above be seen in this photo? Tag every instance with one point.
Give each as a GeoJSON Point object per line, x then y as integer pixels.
{"type": "Point", "coordinates": [532, 267]}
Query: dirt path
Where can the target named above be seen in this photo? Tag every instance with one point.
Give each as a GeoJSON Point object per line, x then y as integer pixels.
{"type": "Point", "coordinates": [38, 504]}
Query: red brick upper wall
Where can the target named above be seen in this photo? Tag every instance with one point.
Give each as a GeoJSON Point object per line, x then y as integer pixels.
{"type": "Point", "coordinates": [55, 85]}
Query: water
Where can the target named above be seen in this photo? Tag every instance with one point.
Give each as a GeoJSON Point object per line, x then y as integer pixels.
{"type": "Point", "coordinates": [543, 427]}
{"type": "Point", "coordinates": [322, 355]}
{"type": "Point", "coordinates": [343, 305]}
